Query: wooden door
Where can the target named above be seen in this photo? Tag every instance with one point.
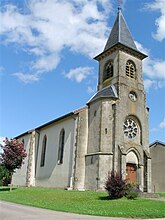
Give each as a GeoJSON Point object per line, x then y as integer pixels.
{"type": "Point", "coordinates": [131, 173]}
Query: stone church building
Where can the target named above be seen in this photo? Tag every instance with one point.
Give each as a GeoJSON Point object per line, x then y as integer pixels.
{"type": "Point", "coordinates": [77, 150]}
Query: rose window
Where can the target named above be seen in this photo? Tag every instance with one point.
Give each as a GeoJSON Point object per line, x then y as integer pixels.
{"type": "Point", "coordinates": [130, 128]}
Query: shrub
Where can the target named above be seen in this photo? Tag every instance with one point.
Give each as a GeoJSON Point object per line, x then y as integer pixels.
{"type": "Point", "coordinates": [115, 185]}
{"type": "Point", "coordinates": [131, 191]}
{"type": "Point", "coordinates": [5, 176]}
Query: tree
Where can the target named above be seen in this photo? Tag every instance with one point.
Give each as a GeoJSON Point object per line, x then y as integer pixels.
{"type": "Point", "coordinates": [13, 154]}
{"type": "Point", "coordinates": [115, 185]}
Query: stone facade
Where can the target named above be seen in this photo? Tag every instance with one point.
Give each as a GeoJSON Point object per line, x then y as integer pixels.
{"type": "Point", "coordinates": [110, 133]}
{"type": "Point", "coordinates": [157, 150]}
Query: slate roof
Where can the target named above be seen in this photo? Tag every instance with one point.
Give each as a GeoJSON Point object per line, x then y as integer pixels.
{"type": "Point", "coordinates": [120, 38]}
{"type": "Point", "coordinates": [108, 92]}
{"type": "Point", "coordinates": [71, 114]}
{"type": "Point", "coordinates": [120, 34]}
{"type": "Point", "coordinates": [155, 143]}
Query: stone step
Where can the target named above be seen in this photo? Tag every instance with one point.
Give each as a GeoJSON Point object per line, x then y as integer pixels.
{"type": "Point", "coordinates": [149, 195]}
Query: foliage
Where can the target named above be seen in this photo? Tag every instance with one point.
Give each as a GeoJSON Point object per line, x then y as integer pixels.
{"type": "Point", "coordinates": [115, 185]}
{"type": "Point", "coordinates": [87, 202]}
{"type": "Point", "coordinates": [131, 191]}
{"type": "Point", "coordinates": [13, 154]}
{"type": "Point", "coordinates": [5, 176]}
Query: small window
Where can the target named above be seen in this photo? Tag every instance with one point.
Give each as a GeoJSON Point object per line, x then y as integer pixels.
{"type": "Point", "coordinates": [130, 69]}
{"type": "Point", "coordinates": [132, 95]}
{"type": "Point", "coordinates": [108, 71]}
{"type": "Point", "coordinates": [61, 146]}
{"type": "Point", "coordinates": [43, 151]}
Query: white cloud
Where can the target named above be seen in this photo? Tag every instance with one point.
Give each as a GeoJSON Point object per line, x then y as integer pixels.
{"type": "Point", "coordinates": [159, 127]}
{"type": "Point", "coordinates": [27, 78]}
{"type": "Point", "coordinates": [1, 143]}
{"type": "Point", "coordinates": [141, 48]}
{"type": "Point", "coordinates": [1, 70]}
{"type": "Point", "coordinates": [158, 5]}
{"type": "Point", "coordinates": [1, 140]}
{"type": "Point", "coordinates": [162, 124]}
{"type": "Point", "coordinates": [79, 74]}
{"type": "Point", "coordinates": [52, 25]}
{"type": "Point", "coordinates": [153, 130]}
{"type": "Point", "coordinates": [148, 84]}
{"type": "Point", "coordinates": [91, 90]}
{"type": "Point", "coordinates": [153, 69]}
{"type": "Point", "coordinates": [46, 63]}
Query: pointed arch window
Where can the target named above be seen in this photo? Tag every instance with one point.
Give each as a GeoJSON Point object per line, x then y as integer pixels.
{"type": "Point", "coordinates": [108, 70]}
{"type": "Point", "coordinates": [130, 69]}
{"type": "Point", "coordinates": [61, 146]}
{"type": "Point", "coordinates": [44, 142]}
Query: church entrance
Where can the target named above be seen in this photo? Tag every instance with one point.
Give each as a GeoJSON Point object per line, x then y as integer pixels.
{"type": "Point", "coordinates": [131, 173]}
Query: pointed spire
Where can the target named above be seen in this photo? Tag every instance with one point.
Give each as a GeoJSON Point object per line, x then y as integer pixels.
{"type": "Point", "coordinates": [119, 4]}
{"type": "Point", "coordinates": [120, 33]}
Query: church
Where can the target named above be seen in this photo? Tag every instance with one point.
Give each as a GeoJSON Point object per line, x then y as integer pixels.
{"type": "Point", "coordinates": [77, 150]}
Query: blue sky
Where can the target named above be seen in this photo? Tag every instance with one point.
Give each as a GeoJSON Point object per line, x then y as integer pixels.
{"type": "Point", "coordinates": [46, 51]}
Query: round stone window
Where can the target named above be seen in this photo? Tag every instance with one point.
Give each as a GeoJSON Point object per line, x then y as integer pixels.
{"type": "Point", "coordinates": [130, 128]}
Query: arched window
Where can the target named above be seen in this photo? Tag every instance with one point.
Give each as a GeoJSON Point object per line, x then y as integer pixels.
{"type": "Point", "coordinates": [61, 146]}
{"type": "Point", "coordinates": [130, 69]}
{"type": "Point", "coordinates": [108, 70]}
{"type": "Point", "coordinates": [43, 151]}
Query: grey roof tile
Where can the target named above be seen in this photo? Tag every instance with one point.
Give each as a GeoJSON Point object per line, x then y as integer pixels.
{"type": "Point", "coordinates": [120, 34]}
{"type": "Point", "coordinates": [108, 92]}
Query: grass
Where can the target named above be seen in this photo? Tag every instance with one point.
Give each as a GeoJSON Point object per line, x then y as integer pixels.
{"type": "Point", "coordinates": [161, 194]}
{"type": "Point", "coordinates": [88, 202]}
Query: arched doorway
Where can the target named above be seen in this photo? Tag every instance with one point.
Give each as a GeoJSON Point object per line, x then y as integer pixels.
{"type": "Point", "coordinates": [131, 173]}
{"type": "Point", "coordinates": [131, 167]}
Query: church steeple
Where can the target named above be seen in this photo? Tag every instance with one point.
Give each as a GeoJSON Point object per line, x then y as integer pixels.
{"type": "Point", "coordinates": [120, 34]}
{"type": "Point", "coordinates": [120, 38]}
{"type": "Point", "coordinates": [120, 43]}
{"type": "Point", "coordinates": [117, 114]}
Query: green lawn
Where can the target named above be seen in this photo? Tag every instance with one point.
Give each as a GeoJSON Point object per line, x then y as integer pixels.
{"type": "Point", "coordinates": [88, 202]}
{"type": "Point", "coordinates": [161, 194]}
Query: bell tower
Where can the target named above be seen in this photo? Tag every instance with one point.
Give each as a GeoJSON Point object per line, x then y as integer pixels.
{"type": "Point", "coordinates": [117, 114]}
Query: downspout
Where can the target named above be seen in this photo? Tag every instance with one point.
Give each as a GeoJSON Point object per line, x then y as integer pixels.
{"type": "Point", "coordinates": [37, 147]}
{"type": "Point", "coordinates": [71, 184]}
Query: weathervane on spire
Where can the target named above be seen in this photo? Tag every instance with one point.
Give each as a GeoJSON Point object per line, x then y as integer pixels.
{"type": "Point", "coordinates": [119, 5]}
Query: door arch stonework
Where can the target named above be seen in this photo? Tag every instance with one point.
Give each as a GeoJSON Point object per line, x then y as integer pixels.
{"type": "Point", "coordinates": [131, 167]}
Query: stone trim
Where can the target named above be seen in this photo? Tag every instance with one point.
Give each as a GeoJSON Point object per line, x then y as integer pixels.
{"type": "Point", "coordinates": [99, 153]}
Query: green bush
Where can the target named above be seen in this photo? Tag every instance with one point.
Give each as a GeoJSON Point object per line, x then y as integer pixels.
{"type": "Point", "coordinates": [131, 191]}
{"type": "Point", "coordinates": [115, 185]}
{"type": "Point", "coordinates": [118, 188]}
{"type": "Point", "coordinates": [5, 176]}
